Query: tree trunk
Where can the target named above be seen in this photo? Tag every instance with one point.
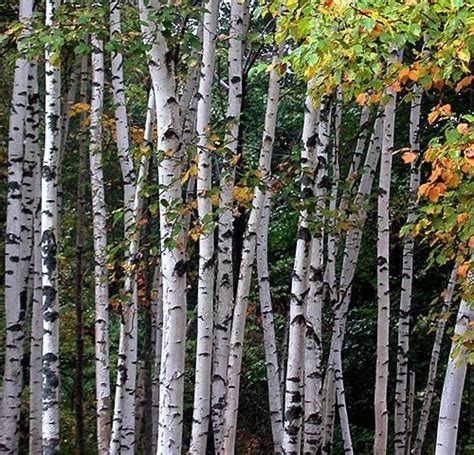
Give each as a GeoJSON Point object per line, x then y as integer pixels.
{"type": "Point", "coordinates": [36, 339]}
{"type": "Point", "coordinates": [100, 245]}
{"type": "Point", "coordinates": [299, 288]}
{"type": "Point", "coordinates": [173, 258]}
{"type": "Point", "coordinates": [383, 273]}
{"type": "Point", "coordinates": [49, 218]}
{"type": "Point", "coordinates": [451, 398]}
{"type": "Point", "coordinates": [401, 390]}
{"type": "Point", "coordinates": [248, 254]}
{"type": "Point", "coordinates": [15, 293]}
{"type": "Point", "coordinates": [349, 263]}
{"type": "Point", "coordinates": [314, 302]}
{"type": "Point", "coordinates": [225, 271]}
{"type": "Point", "coordinates": [205, 303]}
{"type": "Point", "coordinates": [269, 339]}
{"type": "Point", "coordinates": [433, 367]}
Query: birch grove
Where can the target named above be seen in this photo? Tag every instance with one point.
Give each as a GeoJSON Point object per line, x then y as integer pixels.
{"type": "Point", "coordinates": [155, 152]}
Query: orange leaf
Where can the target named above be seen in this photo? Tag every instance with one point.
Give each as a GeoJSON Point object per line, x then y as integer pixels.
{"type": "Point", "coordinates": [471, 242]}
{"type": "Point", "coordinates": [408, 157]}
{"type": "Point", "coordinates": [403, 75]}
{"type": "Point", "coordinates": [433, 193]}
{"type": "Point", "coordinates": [396, 87]}
{"type": "Point", "coordinates": [462, 269]}
{"type": "Point", "coordinates": [362, 98]}
{"type": "Point", "coordinates": [414, 75]}
{"type": "Point", "coordinates": [465, 82]}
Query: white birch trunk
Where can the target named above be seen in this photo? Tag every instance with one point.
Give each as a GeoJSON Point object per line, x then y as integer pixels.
{"type": "Point", "coordinates": [401, 387]}
{"type": "Point", "coordinates": [225, 273]}
{"type": "Point", "coordinates": [451, 397]}
{"type": "Point", "coordinates": [350, 257]}
{"type": "Point", "coordinates": [246, 265]}
{"type": "Point", "coordinates": [121, 121]}
{"type": "Point", "coordinates": [49, 218]}
{"type": "Point", "coordinates": [269, 339]}
{"type": "Point", "coordinates": [36, 337]}
{"type": "Point", "coordinates": [383, 273]}
{"type": "Point", "coordinates": [314, 302]}
{"type": "Point", "coordinates": [15, 293]}
{"type": "Point", "coordinates": [433, 367]}
{"type": "Point", "coordinates": [173, 258]}
{"type": "Point", "coordinates": [293, 412]}
{"type": "Point", "coordinates": [205, 303]}
{"type": "Point", "coordinates": [102, 372]}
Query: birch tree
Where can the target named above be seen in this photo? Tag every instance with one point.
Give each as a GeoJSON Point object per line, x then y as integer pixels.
{"type": "Point", "coordinates": [248, 255]}
{"type": "Point", "coordinates": [49, 217]}
{"type": "Point", "coordinates": [225, 271]}
{"type": "Point", "coordinates": [293, 411]}
{"type": "Point", "coordinates": [433, 367]}
{"type": "Point", "coordinates": [383, 272]}
{"type": "Point", "coordinates": [451, 397]}
{"type": "Point", "coordinates": [401, 387]}
{"type": "Point", "coordinates": [202, 390]}
{"type": "Point", "coordinates": [15, 293]}
{"type": "Point", "coordinates": [100, 244]}
{"type": "Point", "coordinates": [269, 339]}
{"type": "Point", "coordinates": [173, 265]}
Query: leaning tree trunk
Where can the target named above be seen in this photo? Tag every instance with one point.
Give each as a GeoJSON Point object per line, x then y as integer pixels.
{"type": "Point", "coordinates": [100, 251]}
{"type": "Point", "coordinates": [314, 302]}
{"type": "Point", "coordinates": [433, 367]}
{"type": "Point", "coordinates": [269, 339]}
{"type": "Point", "coordinates": [173, 265]}
{"type": "Point", "coordinates": [383, 273]}
{"type": "Point", "coordinates": [205, 303]}
{"type": "Point", "coordinates": [401, 384]}
{"type": "Point", "coordinates": [15, 293]}
{"type": "Point", "coordinates": [49, 216]}
{"type": "Point", "coordinates": [248, 255]}
{"type": "Point", "coordinates": [293, 410]}
{"type": "Point", "coordinates": [225, 272]}
{"type": "Point", "coordinates": [32, 136]}
{"type": "Point", "coordinates": [349, 264]}
{"type": "Point", "coordinates": [451, 398]}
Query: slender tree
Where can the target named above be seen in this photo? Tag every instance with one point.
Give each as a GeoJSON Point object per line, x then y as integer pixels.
{"type": "Point", "coordinates": [225, 270]}
{"type": "Point", "coordinates": [383, 271]}
{"type": "Point", "coordinates": [202, 390]}
{"type": "Point", "coordinates": [102, 373]}
{"type": "Point", "coordinates": [433, 367]}
{"type": "Point", "coordinates": [49, 218]}
{"type": "Point", "coordinates": [401, 385]}
{"type": "Point", "coordinates": [451, 397]}
{"type": "Point", "coordinates": [173, 265]}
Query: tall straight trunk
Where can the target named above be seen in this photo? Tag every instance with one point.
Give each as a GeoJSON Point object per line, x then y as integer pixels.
{"type": "Point", "coordinates": [293, 411]}
{"type": "Point", "coordinates": [451, 397]}
{"type": "Point", "coordinates": [121, 121]}
{"type": "Point", "coordinates": [410, 409]}
{"type": "Point", "coordinates": [314, 302]}
{"type": "Point", "coordinates": [78, 278]}
{"type": "Point", "coordinates": [225, 269]}
{"type": "Point", "coordinates": [15, 293]}
{"type": "Point", "coordinates": [383, 273]}
{"type": "Point", "coordinates": [49, 216]}
{"type": "Point", "coordinates": [248, 255]}
{"type": "Point", "coordinates": [269, 339]}
{"type": "Point", "coordinates": [32, 135]}
{"type": "Point", "coordinates": [401, 387]}
{"type": "Point", "coordinates": [173, 265]}
{"type": "Point", "coordinates": [101, 292]}
{"type": "Point", "coordinates": [433, 367]}
{"type": "Point", "coordinates": [349, 264]}
{"type": "Point", "coordinates": [205, 303]}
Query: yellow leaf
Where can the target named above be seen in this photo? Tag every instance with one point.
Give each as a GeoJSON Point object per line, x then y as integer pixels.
{"type": "Point", "coordinates": [462, 128]}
